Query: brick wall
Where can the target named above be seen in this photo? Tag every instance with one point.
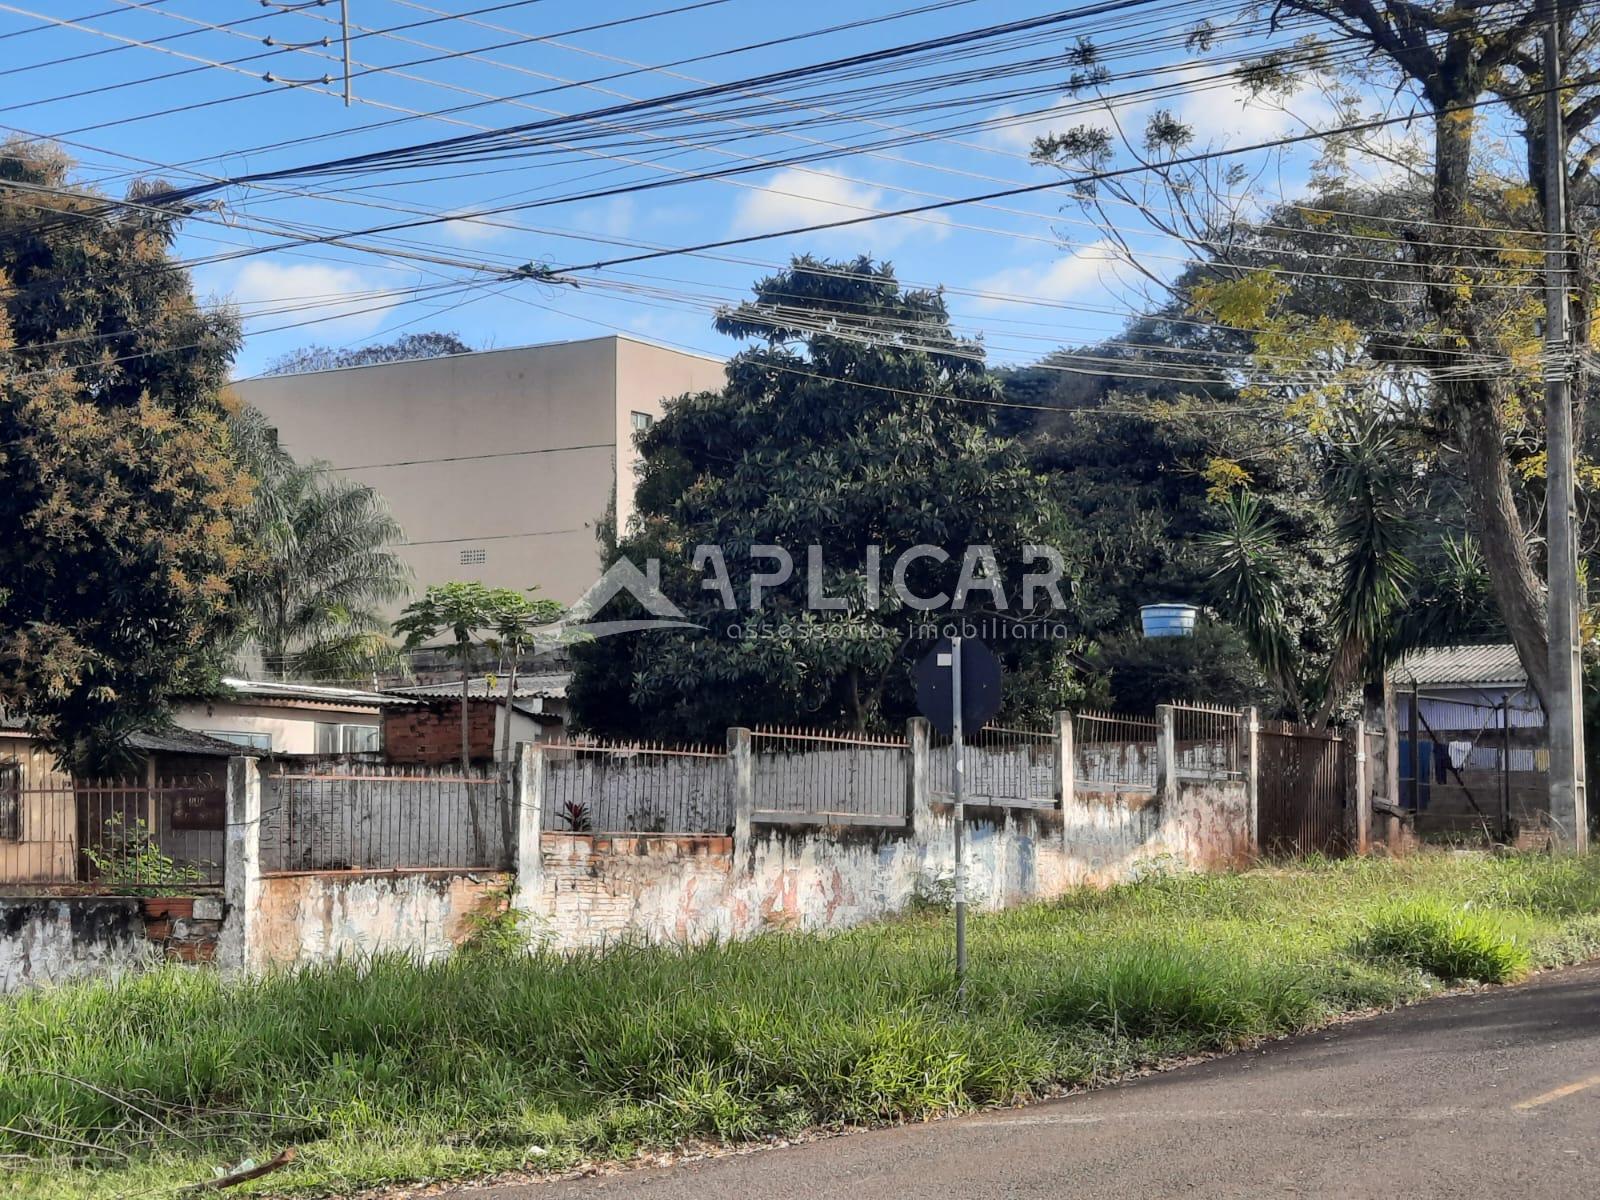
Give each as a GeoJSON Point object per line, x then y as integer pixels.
{"type": "Point", "coordinates": [429, 734]}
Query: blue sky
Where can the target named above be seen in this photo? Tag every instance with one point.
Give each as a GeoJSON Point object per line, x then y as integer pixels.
{"type": "Point", "coordinates": [1040, 275]}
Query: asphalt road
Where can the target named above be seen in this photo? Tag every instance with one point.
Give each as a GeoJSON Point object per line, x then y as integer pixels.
{"type": "Point", "coordinates": [1486, 1095]}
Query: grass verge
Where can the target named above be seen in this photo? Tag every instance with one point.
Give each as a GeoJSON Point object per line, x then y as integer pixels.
{"type": "Point", "coordinates": [496, 1061]}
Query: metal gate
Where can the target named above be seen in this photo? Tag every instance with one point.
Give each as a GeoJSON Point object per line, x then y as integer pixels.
{"type": "Point", "coordinates": [1300, 789]}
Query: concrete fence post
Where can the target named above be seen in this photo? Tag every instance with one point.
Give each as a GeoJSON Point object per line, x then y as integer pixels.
{"type": "Point", "coordinates": [919, 781]}
{"type": "Point", "coordinates": [742, 784]}
{"type": "Point", "coordinates": [527, 855]}
{"type": "Point", "coordinates": [1358, 813]}
{"type": "Point", "coordinates": [1252, 774]}
{"type": "Point", "coordinates": [237, 950]}
{"type": "Point", "coordinates": [1166, 754]}
{"type": "Point", "coordinates": [1066, 761]}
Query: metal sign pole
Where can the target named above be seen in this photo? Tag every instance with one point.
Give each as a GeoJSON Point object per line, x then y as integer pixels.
{"type": "Point", "coordinates": [959, 754]}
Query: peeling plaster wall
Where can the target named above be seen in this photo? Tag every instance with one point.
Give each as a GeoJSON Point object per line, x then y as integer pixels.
{"type": "Point", "coordinates": [598, 890]}
{"type": "Point", "coordinates": [319, 918]}
{"type": "Point", "coordinates": [51, 940]}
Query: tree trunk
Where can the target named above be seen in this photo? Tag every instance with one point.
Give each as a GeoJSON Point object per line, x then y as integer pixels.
{"type": "Point", "coordinates": [473, 815]}
{"type": "Point", "coordinates": [1474, 408]}
{"type": "Point", "coordinates": [505, 772]}
{"type": "Point", "coordinates": [1518, 592]}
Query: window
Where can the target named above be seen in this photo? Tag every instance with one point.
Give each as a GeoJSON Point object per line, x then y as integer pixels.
{"type": "Point", "coordinates": [642, 421]}
{"type": "Point", "coordinates": [10, 801]}
{"type": "Point", "coordinates": [250, 741]}
{"type": "Point", "coordinates": [471, 558]}
{"type": "Point", "coordinates": [333, 738]}
{"type": "Point", "coordinates": [361, 739]}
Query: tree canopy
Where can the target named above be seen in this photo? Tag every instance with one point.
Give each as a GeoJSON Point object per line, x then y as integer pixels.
{"type": "Point", "coordinates": [119, 484]}
{"type": "Point", "coordinates": [856, 419]}
{"type": "Point", "coordinates": [328, 358]}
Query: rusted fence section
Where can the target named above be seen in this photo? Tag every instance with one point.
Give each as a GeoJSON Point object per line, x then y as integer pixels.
{"type": "Point", "coordinates": [116, 836]}
{"type": "Point", "coordinates": [385, 818]}
{"type": "Point", "coordinates": [1004, 766]}
{"type": "Point", "coordinates": [821, 776]}
{"type": "Point", "coordinates": [1208, 741]}
{"type": "Point", "coordinates": [1114, 751]}
{"type": "Point", "coordinates": [636, 787]}
{"type": "Point", "coordinates": [1301, 799]}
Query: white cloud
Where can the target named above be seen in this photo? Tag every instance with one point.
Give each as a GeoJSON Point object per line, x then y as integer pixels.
{"type": "Point", "coordinates": [468, 229]}
{"type": "Point", "coordinates": [1227, 114]}
{"type": "Point", "coordinates": [1017, 133]}
{"type": "Point", "coordinates": [795, 197]}
{"type": "Point", "coordinates": [339, 296]}
{"type": "Point", "coordinates": [1085, 269]}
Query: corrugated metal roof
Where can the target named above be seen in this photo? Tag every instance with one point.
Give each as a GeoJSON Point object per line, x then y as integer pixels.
{"type": "Point", "coordinates": [182, 741]}
{"type": "Point", "coordinates": [1462, 666]}
{"type": "Point", "coordinates": [551, 685]}
{"type": "Point", "coordinates": [316, 693]}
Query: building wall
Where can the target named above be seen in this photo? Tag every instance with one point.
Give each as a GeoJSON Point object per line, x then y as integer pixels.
{"type": "Point", "coordinates": [293, 730]}
{"type": "Point", "coordinates": [646, 376]}
{"type": "Point", "coordinates": [531, 515]}
{"type": "Point", "coordinates": [47, 850]}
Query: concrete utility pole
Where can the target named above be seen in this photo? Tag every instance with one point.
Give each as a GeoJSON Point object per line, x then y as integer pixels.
{"type": "Point", "coordinates": [1568, 800]}
{"type": "Point", "coordinates": [958, 753]}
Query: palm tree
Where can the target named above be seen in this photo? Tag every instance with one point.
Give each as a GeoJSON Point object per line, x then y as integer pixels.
{"type": "Point", "coordinates": [313, 600]}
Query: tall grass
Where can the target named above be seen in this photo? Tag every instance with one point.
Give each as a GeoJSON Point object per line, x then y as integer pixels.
{"type": "Point", "coordinates": [388, 1070]}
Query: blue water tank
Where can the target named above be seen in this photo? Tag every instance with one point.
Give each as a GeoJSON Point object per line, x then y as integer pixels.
{"type": "Point", "coordinates": [1168, 620]}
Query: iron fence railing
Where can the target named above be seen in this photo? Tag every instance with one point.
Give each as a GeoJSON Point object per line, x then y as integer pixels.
{"type": "Point", "coordinates": [1002, 764]}
{"type": "Point", "coordinates": [1114, 750]}
{"type": "Point", "coordinates": [601, 787]}
{"type": "Point", "coordinates": [117, 836]}
{"type": "Point", "coordinates": [1208, 741]}
{"type": "Point", "coordinates": [385, 818]}
{"type": "Point", "coordinates": [822, 774]}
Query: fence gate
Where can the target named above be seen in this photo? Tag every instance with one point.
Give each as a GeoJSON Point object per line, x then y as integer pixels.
{"type": "Point", "coordinates": [1300, 789]}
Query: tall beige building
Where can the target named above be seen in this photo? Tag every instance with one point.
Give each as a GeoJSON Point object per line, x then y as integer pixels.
{"type": "Point", "coordinates": [499, 464]}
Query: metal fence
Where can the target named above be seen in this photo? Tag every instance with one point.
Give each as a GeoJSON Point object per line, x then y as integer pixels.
{"type": "Point", "coordinates": [1208, 741]}
{"type": "Point", "coordinates": [1013, 766]}
{"type": "Point", "coordinates": [112, 835]}
{"type": "Point", "coordinates": [385, 818]}
{"type": "Point", "coordinates": [830, 774]}
{"type": "Point", "coordinates": [604, 787]}
{"type": "Point", "coordinates": [1114, 750]}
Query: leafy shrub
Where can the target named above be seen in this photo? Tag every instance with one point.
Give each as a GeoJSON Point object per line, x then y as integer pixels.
{"type": "Point", "coordinates": [1450, 942]}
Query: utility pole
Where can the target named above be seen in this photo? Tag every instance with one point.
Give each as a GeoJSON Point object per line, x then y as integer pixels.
{"type": "Point", "coordinates": [1569, 814]}
{"type": "Point", "coordinates": [959, 754]}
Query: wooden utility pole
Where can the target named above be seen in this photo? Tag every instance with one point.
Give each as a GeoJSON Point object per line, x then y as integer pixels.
{"type": "Point", "coordinates": [1569, 815]}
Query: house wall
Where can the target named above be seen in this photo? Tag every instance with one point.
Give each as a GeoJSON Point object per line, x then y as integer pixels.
{"type": "Point", "coordinates": [47, 850]}
{"type": "Point", "coordinates": [293, 729]}
{"type": "Point", "coordinates": [531, 515]}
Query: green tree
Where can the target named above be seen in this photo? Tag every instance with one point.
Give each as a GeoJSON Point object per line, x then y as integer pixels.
{"type": "Point", "coordinates": [465, 611]}
{"type": "Point", "coordinates": [325, 569]}
{"type": "Point", "coordinates": [119, 484]}
{"type": "Point", "coordinates": [516, 620]}
{"type": "Point", "coordinates": [402, 349]}
{"type": "Point", "coordinates": [857, 419]}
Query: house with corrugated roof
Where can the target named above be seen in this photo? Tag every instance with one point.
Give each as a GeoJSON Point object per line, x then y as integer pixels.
{"type": "Point", "coordinates": [1473, 750]}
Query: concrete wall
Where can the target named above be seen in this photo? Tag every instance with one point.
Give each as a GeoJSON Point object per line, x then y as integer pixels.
{"type": "Point", "coordinates": [320, 918]}
{"type": "Point", "coordinates": [595, 890]}
{"type": "Point", "coordinates": [532, 516]}
{"type": "Point", "coordinates": [47, 940]}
